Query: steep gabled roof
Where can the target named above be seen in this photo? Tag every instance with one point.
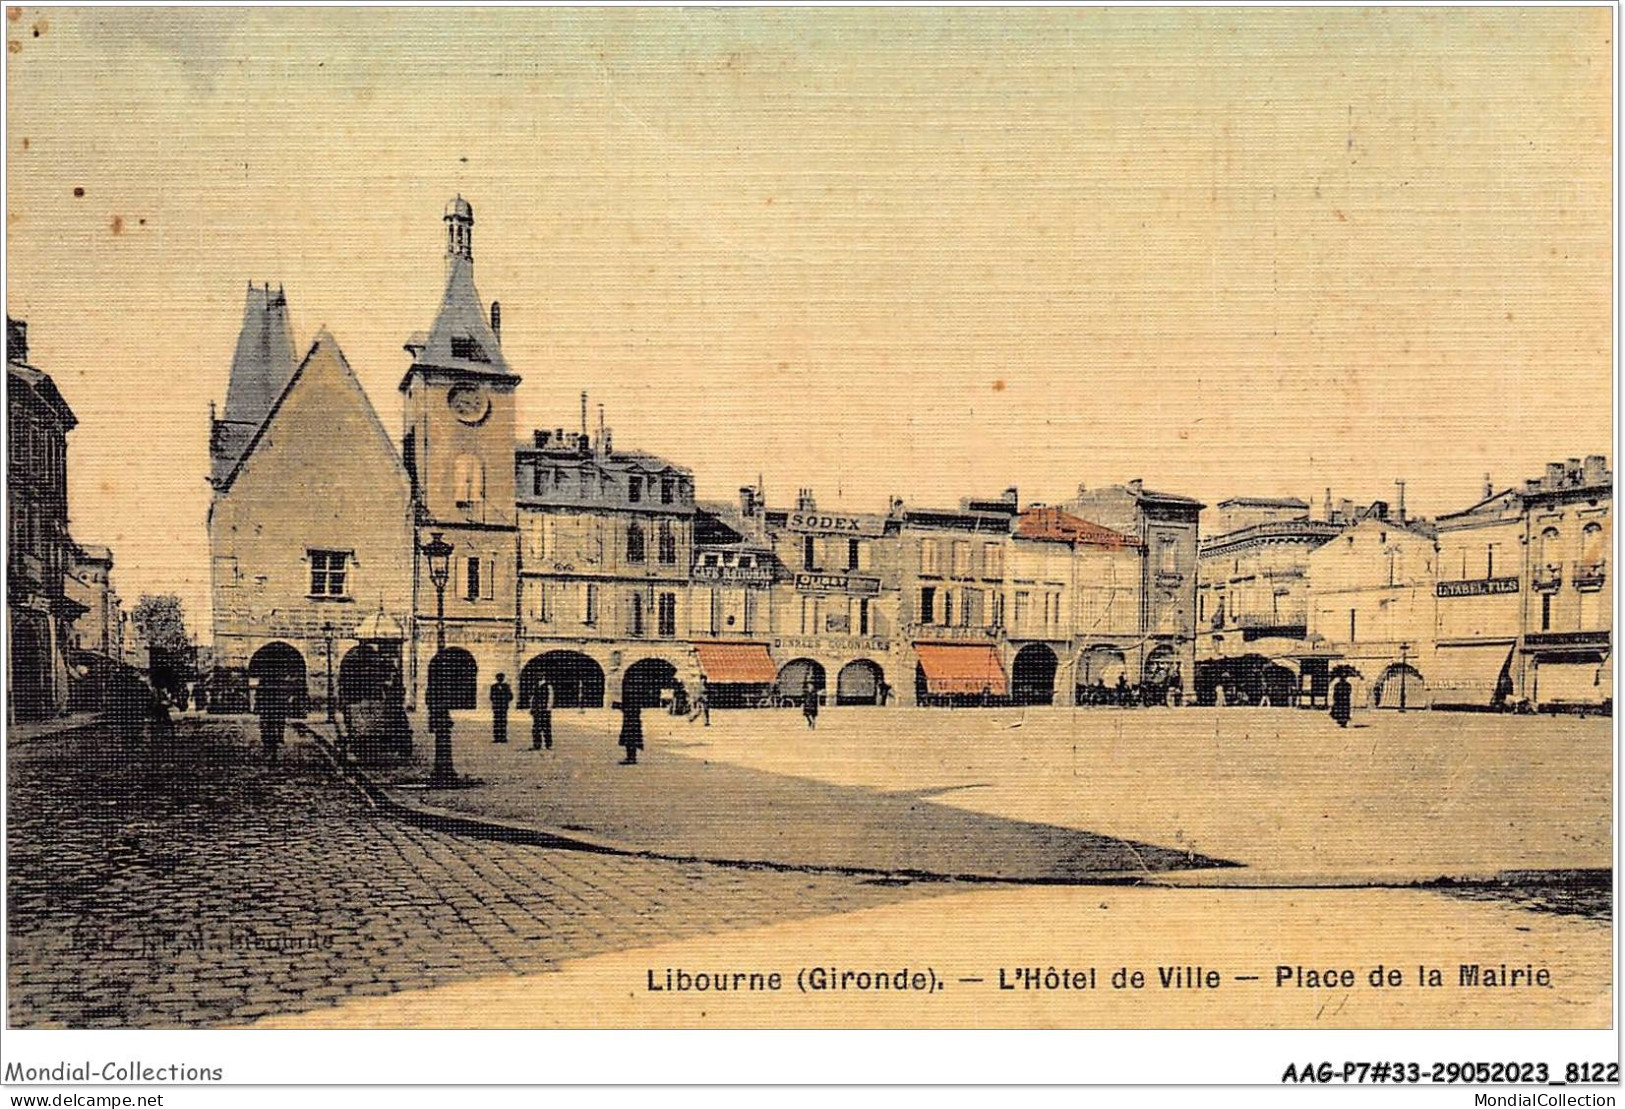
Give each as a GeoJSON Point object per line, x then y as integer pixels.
{"type": "Point", "coordinates": [323, 348]}
{"type": "Point", "coordinates": [461, 338]}
{"type": "Point", "coordinates": [264, 359]}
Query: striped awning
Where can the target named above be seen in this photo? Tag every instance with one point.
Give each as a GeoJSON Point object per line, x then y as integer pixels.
{"type": "Point", "coordinates": [961, 668]}
{"type": "Point", "coordinates": [736, 663]}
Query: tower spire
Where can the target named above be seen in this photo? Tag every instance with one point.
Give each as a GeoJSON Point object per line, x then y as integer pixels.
{"type": "Point", "coordinates": [459, 230]}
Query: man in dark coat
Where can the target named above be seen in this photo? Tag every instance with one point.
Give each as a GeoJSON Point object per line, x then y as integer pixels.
{"type": "Point", "coordinates": [1342, 698]}
{"type": "Point", "coordinates": [501, 698]}
{"type": "Point", "coordinates": [809, 705]}
{"type": "Point", "coordinates": [271, 705]}
{"type": "Point", "coordinates": [631, 733]}
{"type": "Point", "coordinates": [541, 717]}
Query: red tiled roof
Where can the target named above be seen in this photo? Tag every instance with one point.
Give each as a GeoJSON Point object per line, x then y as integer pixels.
{"type": "Point", "coordinates": [1063, 527]}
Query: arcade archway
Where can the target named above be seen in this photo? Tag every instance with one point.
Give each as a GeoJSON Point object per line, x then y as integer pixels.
{"type": "Point", "coordinates": [859, 683]}
{"type": "Point", "coordinates": [1401, 686]}
{"type": "Point", "coordinates": [577, 681]}
{"type": "Point", "coordinates": [280, 667]}
{"type": "Point", "coordinates": [1032, 675]}
{"type": "Point", "coordinates": [645, 681]}
{"type": "Point", "coordinates": [796, 676]}
{"type": "Point", "coordinates": [457, 676]}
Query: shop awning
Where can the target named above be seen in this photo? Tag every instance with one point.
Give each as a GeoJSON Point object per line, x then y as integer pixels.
{"type": "Point", "coordinates": [736, 663]}
{"type": "Point", "coordinates": [961, 668]}
{"type": "Point", "coordinates": [1571, 683]}
{"type": "Point", "coordinates": [1469, 675]}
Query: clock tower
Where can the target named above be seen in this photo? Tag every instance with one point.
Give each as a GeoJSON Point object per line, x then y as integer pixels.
{"type": "Point", "coordinates": [458, 401]}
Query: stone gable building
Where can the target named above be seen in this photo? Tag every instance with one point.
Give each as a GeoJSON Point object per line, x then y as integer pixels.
{"type": "Point", "coordinates": [310, 527]}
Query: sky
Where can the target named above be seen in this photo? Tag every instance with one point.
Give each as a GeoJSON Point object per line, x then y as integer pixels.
{"type": "Point", "coordinates": [930, 253]}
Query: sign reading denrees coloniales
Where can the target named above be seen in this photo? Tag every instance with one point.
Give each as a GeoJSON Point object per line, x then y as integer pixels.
{"type": "Point", "coordinates": [1483, 587]}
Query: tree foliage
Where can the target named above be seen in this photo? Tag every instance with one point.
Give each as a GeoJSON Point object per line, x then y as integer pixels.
{"type": "Point", "coordinates": [161, 621]}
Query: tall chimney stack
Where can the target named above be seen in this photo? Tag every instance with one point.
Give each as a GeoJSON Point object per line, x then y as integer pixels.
{"type": "Point", "coordinates": [496, 321]}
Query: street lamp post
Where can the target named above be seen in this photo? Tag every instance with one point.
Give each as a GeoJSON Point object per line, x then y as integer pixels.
{"type": "Point", "coordinates": [438, 553]}
{"type": "Point", "coordinates": [327, 634]}
{"type": "Point", "coordinates": [1404, 668]}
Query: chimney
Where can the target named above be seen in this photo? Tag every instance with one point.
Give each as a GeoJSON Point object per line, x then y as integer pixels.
{"type": "Point", "coordinates": [1489, 487]}
{"type": "Point", "coordinates": [1345, 510]}
{"type": "Point", "coordinates": [1401, 483]}
{"type": "Point", "coordinates": [1595, 470]}
{"type": "Point", "coordinates": [896, 505]}
{"type": "Point", "coordinates": [1554, 476]}
{"type": "Point", "coordinates": [496, 321]}
{"type": "Point", "coordinates": [603, 432]}
{"type": "Point", "coordinates": [583, 413]}
{"type": "Point", "coordinates": [1137, 486]}
{"type": "Point", "coordinates": [539, 438]}
{"type": "Point", "coordinates": [805, 502]}
{"type": "Point", "coordinates": [1328, 506]}
{"type": "Point", "coordinates": [1012, 498]}
{"type": "Point", "coordinates": [747, 501]}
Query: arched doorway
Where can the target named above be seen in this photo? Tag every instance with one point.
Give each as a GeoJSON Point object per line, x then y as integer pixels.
{"type": "Point", "coordinates": [577, 681]}
{"type": "Point", "coordinates": [456, 673]}
{"type": "Point", "coordinates": [280, 666]}
{"type": "Point", "coordinates": [645, 681]}
{"type": "Point", "coordinates": [1102, 666]}
{"type": "Point", "coordinates": [30, 648]}
{"type": "Point", "coordinates": [364, 672]}
{"type": "Point", "coordinates": [1161, 678]}
{"type": "Point", "coordinates": [1032, 675]}
{"type": "Point", "coordinates": [1400, 686]}
{"type": "Point", "coordinates": [797, 675]}
{"type": "Point", "coordinates": [858, 683]}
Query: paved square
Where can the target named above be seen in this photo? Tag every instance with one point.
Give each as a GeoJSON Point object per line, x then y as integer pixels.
{"type": "Point", "coordinates": [1064, 793]}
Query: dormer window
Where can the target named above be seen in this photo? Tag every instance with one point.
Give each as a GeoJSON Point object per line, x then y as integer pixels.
{"type": "Point", "coordinates": [467, 348]}
{"type": "Point", "coordinates": [666, 490]}
{"type": "Point", "coordinates": [634, 489]}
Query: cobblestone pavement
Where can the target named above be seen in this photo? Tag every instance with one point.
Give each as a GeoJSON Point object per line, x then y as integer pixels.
{"type": "Point", "coordinates": [203, 888]}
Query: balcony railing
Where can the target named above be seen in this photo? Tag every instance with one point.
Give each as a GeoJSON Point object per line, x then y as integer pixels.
{"type": "Point", "coordinates": [1547, 579]}
{"type": "Point", "coordinates": [1590, 578]}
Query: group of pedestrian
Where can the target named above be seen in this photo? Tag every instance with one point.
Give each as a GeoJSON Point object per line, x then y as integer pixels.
{"type": "Point", "coordinates": [541, 713]}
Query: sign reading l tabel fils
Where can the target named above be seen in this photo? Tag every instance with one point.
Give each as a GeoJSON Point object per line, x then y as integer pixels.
{"type": "Point", "coordinates": [1483, 587]}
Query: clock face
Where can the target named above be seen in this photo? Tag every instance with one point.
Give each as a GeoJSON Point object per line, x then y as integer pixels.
{"type": "Point", "coordinates": [468, 403]}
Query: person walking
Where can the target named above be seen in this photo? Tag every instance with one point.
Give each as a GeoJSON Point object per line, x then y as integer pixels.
{"type": "Point", "coordinates": [1342, 701]}
{"type": "Point", "coordinates": [885, 693]}
{"type": "Point", "coordinates": [702, 707]}
{"type": "Point", "coordinates": [501, 698]}
{"type": "Point", "coordinates": [541, 717]}
{"type": "Point", "coordinates": [809, 705]}
{"type": "Point", "coordinates": [271, 705]}
{"type": "Point", "coordinates": [631, 733]}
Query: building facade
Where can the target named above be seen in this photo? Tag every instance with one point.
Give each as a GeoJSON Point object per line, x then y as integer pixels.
{"type": "Point", "coordinates": [1371, 613]}
{"type": "Point", "coordinates": [1167, 528]}
{"type": "Point", "coordinates": [101, 628]}
{"type": "Point", "coordinates": [606, 541]}
{"type": "Point", "coordinates": [1565, 656]}
{"type": "Point", "coordinates": [1252, 602]}
{"type": "Point", "coordinates": [310, 532]}
{"type": "Point", "coordinates": [40, 609]}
